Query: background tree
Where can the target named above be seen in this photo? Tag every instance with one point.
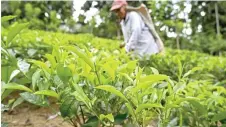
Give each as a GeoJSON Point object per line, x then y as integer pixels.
{"type": "Point", "coordinates": [46, 15]}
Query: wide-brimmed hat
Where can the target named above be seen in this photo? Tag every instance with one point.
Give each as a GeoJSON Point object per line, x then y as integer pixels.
{"type": "Point", "coordinates": [117, 4]}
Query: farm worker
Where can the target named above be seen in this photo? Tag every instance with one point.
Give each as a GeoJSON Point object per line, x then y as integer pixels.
{"type": "Point", "coordinates": [138, 30]}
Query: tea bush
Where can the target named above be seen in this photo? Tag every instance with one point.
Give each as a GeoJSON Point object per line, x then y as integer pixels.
{"type": "Point", "coordinates": [97, 84]}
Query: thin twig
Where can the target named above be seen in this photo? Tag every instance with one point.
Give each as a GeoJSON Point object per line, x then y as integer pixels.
{"type": "Point", "coordinates": [97, 74]}
{"type": "Point", "coordinates": [73, 123]}
{"type": "Point", "coordinates": [78, 120]}
{"type": "Point", "coordinates": [83, 117]}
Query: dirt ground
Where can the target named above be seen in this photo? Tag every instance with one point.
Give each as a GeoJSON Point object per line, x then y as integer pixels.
{"type": "Point", "coordinates": [28, 115]}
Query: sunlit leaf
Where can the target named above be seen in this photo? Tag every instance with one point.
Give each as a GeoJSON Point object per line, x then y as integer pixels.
{"type": "Point", "coordinates": [145, 106]}
{"type": "Point", "coordinates": [81, 54]}
{"type": "Point", "coordinates": [108, 116]}
{"type": "Point", "coordinates": [48, 93]}
{"type": "Point", "coordinates": [111, 89]}
{"type": "Point", "coordinates": [34, 99]}
{"type": "Point", "coordinates": [7, 18]}
{"type": "Point", "coordinates": [15, 30]}
{"type": "Point", "coordinates": [14, 86]}
{"type": "Point", "coordinates": [219, 116]}
{"type": "Point", "coordinates": [17, 102]}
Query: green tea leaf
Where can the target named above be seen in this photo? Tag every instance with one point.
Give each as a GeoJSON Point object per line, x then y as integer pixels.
{"type": "Point", "coordinates": [180, 68]}
{"type": "Point", "coordinates": [155, 71]}
{"type": "Point", "coordinates": [16, 30]}
{"type": "Point", "coordinates": [153, 78]}
{"type": "Point", "coordinates": [13, 74]}
{"type": "Point", "coordinates": [127, 76]}
{"type": "Point", "coordinates": [15, 86]}
{"type": "Point", "coordinates": [18, 102]}
{"type": "Point", "coordinates": [34, 99]}
{"type": "Point", "coordinates": [130, 110]}
{"type": "Point", "coordinates": [191, 71]}
{"type": "Point", "coordinates": [108, 116]}
{"type": "Point", "coordinates": [81, 54]}
{"type": "Point", "coordinates": [7, 18]}
{"type": "Point", "coordinates": [112, 89]}
{"type": "Point", "coordinates": [219, 116]}
{"type": "Point", "coordinates": [92, 122]}
{"type": "Point", "coordinates": [35, 78]}
{"type": "Point", "coordinates": [83, 98]}
{"type": "Point", "coordinates": [109, 70]}
{"type": "Point", "coordinates": [41, 65]}
{"type": "Point", "coordinates": [51, 60]}
{"type": "Point", "coordinates": [132, 65]}
{"type": "Point", "coordinates": [185, 99]}
{"type": "Point", "coordinates": [48, 93]}
{"type": "Point", "coordinates": [64, 73]}
{"type": "Point", "coordinates": [120, 118]}
{"type": "Point", "coordinates": [201, 109]}
{"type": "Point", "coordinates": [5, 94]}
{"type": "Point", "coordinates": [69, 107]}
{"type": "Point", "coordinates": [144, 106]}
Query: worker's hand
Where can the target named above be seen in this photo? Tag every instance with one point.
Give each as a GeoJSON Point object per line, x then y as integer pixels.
{"type": "Point", "coordinates": [122, 45]}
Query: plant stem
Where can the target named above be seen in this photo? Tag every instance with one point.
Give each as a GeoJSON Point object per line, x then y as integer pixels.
{"type": "Point", "coordinates": [78, 119]}
{"type": "Point", "coordinates": [83, 118]}
{"type": "Point", "coordinates": [97, 73]}
{"type": "Point", "coordinates": [181, 118]}
{"type": "Point", "coordinates": [73, 123]}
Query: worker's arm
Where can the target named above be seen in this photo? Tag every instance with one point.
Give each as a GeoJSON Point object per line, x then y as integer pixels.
{"type": "Point", "coordinates": [135, 29]}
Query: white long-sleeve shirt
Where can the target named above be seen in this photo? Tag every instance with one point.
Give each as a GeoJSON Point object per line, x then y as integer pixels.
{"type": "Point", "coordinates": [137, 36]}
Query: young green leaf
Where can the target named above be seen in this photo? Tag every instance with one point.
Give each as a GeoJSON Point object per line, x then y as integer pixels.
{"type": "Point", "coordinates": [51, 60]}
{"type": "Point", "coordinates": [15, 86]}
{"type": "Point", "coordinates": [35, 78]}
{"type": "Point", "coordinates": [13, 74]}
{"type": "Point", "coordinates": [83, 98]}
{"type": "Point", "coordinates": [64, 72]}
{"type": "Point", "coordinates": [15, 30]}
{"type": "Point", "coordinates": [113, 90]}
{"type": "Point", "coordinates": [109, 70]}
{"type": "Point", "coordinates": [92, 122]}
{"type": "Point", "coordinates": [191, 71]}
{"type": "Point", "coordinates": [48, 93]}
{"type": "Point", "coordinates": [120, 118]}
{"type": "Point", "coordinates": [81, 54]}
{"type": "Point", "coordinates": [144, 106]}
{"type": "Point", "coordinates": [127, 76]}
{"type": "Point", "coordinates": [130, 110]}
{"type": "Point", "coordinates": [185, 99]}
{"type": "Point", "coordinates": [41, 65]}
{"type": "Point", "coordinates": [219, 116]}
{"type": "Point", "coordinates": [153, 78]}
{"type": "Point", "coordinates": [34, 99]}
{"type": "Point", "coordinates": [155, 71]}
{"type": "Point", "coordinates": [108, 116]}
{"type": "Point", "coordinates": [7, 18]}
{"type": "Point", "coordinates": [17, 102]}
{"type": "Point", "coordinates": [201, 109]}
{"type": "Point", "coordinates": [69, 107]}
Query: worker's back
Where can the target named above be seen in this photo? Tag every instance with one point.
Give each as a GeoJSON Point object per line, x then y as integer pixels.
{"type": "Point", "coordinates": [137, 35]}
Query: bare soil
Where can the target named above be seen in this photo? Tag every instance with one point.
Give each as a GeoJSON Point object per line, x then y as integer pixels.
{"type": "Point", "coordinates": [28, 115]}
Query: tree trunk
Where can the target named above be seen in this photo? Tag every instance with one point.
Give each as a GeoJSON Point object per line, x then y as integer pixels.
{"type": "Point", "coordinates": [217, 19]}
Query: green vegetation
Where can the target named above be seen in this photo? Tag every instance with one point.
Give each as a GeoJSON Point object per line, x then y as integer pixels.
{"type": "Point", "coordinates": [96, 83]}
{"type": "Point", "coordinates": [196, 25]}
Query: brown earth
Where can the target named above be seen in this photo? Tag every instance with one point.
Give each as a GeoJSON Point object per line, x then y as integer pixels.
{"type": "Point", "coordinates": [28, 115]}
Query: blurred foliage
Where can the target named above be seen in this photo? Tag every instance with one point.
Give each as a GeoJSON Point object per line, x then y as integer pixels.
{"type": "Point", "coordinates": [103, 85]}
{"type": "Point", "coordinates": [206, 40]}
{"type": "Point", "coordinates": [46, 15]}
{"type": "Point", "coordinates": [57, 15]}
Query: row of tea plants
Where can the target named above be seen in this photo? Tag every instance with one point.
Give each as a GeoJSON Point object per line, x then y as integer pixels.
{"type": "Point", "coordinates": [97, 84]}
